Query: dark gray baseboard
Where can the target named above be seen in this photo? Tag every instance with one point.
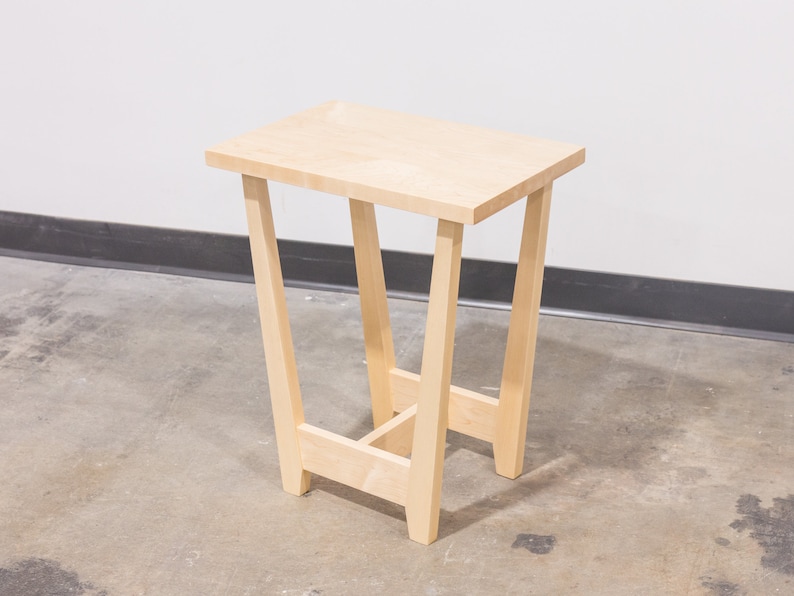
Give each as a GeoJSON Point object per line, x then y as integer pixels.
{"type": "Point", "coordinates": [733, 310]}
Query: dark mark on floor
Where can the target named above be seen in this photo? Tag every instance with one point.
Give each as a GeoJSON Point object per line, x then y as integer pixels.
{"type": "Point", "coordinates": [722, 541]}
{"type": "Point", "coordinates": [42, 576]}
{"type": "Point", "coordinates": [539, 545]}
{"type": "Point", "coordinates": [9, 327]}
{"type": "Point", "coordinates": [73, 328]}
{"type": "Point", "coordinates": [789, 370]}
{"type": "Point", "coordinates": [721, 588]}
{"type": "Point", "coordinates": [772, 528]}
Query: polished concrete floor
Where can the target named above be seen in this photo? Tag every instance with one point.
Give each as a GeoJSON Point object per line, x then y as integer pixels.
{"type": "Point", "coordinates": [137, 453]}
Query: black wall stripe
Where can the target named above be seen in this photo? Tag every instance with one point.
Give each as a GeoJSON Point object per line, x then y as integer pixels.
{"type": "Point", "coordinates": [742, 311]}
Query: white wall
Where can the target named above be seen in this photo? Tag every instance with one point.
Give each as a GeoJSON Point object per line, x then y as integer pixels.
{"type": "Point", "coordinates": [686, 109]}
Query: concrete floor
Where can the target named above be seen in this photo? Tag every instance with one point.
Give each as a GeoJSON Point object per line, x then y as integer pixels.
{"type": "Point", "coordinates": [137, 452]}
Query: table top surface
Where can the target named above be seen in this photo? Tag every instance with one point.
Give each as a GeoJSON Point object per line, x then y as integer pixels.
{"type": "Point", "coordinates": [452, 171]}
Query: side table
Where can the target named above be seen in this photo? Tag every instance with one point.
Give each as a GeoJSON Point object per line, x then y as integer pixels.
{"type": "Point", "coordinates": [456, 173]}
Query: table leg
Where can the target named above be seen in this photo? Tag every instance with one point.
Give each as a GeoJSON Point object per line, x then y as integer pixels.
{"type": "Point", "coordinates": [511, 417]}
{"type": "Point", "coordinates": [374, 309]}
{"type": "Point", "coordinates": [427, 456]}
{"type": "Point", "coordinates": [282, 371]}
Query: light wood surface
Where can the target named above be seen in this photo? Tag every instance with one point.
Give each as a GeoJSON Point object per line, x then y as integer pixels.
{"type": "Point", "coordinates": [427, 456]}
{"type": "Point", "coordinates": [374, 309]}
{"type": "Point", "coordinates": [511, 419]}
{"type": "Point", "coordinates": [361, 466]}
{"type": "Point", "coordinates": [395, 436]}
{"type": "Point", "coordinates": [282, 372]}
{"type": "Point", "coordinates": [451, 171]}
{"type": "Point", "coordinates": [458, 173]}
{"type": "Point", "coordinates": [470, 413]}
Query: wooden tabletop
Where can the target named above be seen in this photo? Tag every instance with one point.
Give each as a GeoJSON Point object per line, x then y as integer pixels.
{"type": "Point", "coordinates": [457, 172]}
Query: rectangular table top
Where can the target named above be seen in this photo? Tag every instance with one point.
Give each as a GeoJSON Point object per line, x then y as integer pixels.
{"type": "Point", "coordinates": [457, 172]}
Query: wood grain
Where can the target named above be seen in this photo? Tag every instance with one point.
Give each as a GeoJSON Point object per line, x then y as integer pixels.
{"type": "Point", "coordinates": [455, 172]}
{"type": "Point", "coordinates": [282, 372]}
{"type": "Point", "coordinates": [427, 456]}
{"type": "Point", "coordinates": [395, 436]}
{"type": "Point", "coordinates": [514, 392]}
{"type": "Point", "coordinates": [355, 464]}
{"type": "Point", "coordinates": [470, 413]}
{"type": "Point", "coordinates": [374, 309]}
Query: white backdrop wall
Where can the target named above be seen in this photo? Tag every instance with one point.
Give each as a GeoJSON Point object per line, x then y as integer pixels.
{"type": "Point", "coordinates": [686, 109]}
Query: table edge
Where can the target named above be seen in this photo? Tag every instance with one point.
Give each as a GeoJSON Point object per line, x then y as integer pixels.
{"type": "Point", "coordinates": [394, 199]}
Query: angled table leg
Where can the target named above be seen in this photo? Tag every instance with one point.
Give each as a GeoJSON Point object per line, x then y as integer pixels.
{"type": "Point", "coordinates": [282, 372]}
{"type": "Point", "coordinates": [427, 456]}
{"type": "Point", "coordinates": [374, 309]}
{"type": "Point", "coordinates": [511, 418]}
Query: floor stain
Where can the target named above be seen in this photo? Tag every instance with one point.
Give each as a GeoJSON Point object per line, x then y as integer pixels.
{"type": "Point", "coordinates": [72, 328]}
{"type": "Point", "coordinates": [42, 576]}
{"type": "Point", "coordinates": [9, 326]}
{"type": "Point", "coordinates": [722, 541]}
{"type": "Point", "coordinates": [789, 370]}
{"type": "Point", "coordinates": [721, 588]}
{"type": "Point", "coordinates": [534, 543]}
{"type": "Point", "coordinates": [772, 528]}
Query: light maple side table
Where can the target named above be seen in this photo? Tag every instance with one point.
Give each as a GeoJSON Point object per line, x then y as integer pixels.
{"type": "Point", "coordinates": [456, 173]}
